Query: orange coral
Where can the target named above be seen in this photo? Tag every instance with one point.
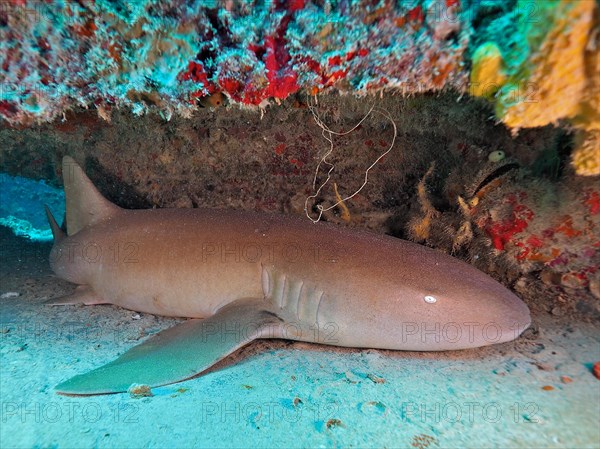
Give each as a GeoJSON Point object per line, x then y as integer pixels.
{"type": "Point", "coordinates": [586, 155]}
{"type": "Point", "coordinates": [564, 81]}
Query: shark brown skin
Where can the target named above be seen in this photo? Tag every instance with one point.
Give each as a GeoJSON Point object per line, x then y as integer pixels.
{"type": "Point", "coordinates": [271, 276]}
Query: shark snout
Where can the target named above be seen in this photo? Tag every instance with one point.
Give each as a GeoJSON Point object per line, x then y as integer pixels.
{"type": "Point", "coordinates": [512, 317]}
{"type": "Point", "coordinates": [502, 316]}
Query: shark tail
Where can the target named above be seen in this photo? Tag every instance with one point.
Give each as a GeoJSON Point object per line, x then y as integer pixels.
{"type": "Point", "coordinates": [57, 232]}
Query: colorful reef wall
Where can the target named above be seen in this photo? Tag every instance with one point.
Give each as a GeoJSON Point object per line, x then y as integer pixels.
{"type": "Point", "coordinates": [537, 60]}
{"type": "Point", "coordinates": [167, 55]}
{"type": "Point", "coordinates": [508, 182]}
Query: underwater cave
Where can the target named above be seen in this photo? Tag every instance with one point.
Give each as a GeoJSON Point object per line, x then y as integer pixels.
{"type": "Point", "coordinates": [300, 223]}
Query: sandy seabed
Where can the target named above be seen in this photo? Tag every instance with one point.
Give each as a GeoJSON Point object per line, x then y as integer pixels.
{"type": "Point", "coordinates": [538, 391]}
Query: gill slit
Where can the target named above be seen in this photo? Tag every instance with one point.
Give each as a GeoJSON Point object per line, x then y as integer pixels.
{"type": "Point", "coordinates": [283, 294]}
{"type": "Point", "coordinates": [318, 308]}
{"type": "Point", "coordinates": [298, 299]}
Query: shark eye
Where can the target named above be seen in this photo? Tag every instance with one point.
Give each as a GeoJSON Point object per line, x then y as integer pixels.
{"type": "Point", "coordinates": [430, 299]}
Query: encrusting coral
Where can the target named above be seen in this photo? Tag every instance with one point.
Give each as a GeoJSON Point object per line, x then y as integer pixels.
{"type": "Point", "coordinates": [166, 56]}
{"type": "Point", "coordinates": [586, 155]}
{"type": "Point", "coordinates": [513, 222]}
{"type": "Point", "coordinates": [556, 76]}
{"type": "Point", "coordinates": [487, 72]}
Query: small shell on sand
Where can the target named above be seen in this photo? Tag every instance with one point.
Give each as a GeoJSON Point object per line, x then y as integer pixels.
{"type": "Point", "coordinates": [140, 391]}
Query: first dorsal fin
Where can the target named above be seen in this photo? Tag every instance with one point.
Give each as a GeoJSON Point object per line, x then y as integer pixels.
{"type": "Point", "coordinates": [85, 205]}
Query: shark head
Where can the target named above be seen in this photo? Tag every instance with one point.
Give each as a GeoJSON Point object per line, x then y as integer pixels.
{"type": "Point", "coordinates": [457, 306]}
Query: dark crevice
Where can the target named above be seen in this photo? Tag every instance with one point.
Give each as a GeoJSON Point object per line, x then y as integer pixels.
{"type": "Point", "coordinates": [496, 174]}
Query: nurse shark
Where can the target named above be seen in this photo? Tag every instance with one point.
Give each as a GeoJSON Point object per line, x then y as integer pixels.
{"type": "Point", "coordinates": [239, 276]}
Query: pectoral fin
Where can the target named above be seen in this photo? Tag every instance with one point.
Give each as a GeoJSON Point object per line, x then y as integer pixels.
{"type": "Point", "coordinates": [180, 352]}
{"type": "Point", "coordinates": [83, 294]}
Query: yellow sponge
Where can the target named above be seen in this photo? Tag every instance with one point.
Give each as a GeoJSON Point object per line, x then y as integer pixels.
{"type": "Point", "coordinates": [487, 73]}
{"type": "Point", "coordinates": [560, 80]}
{"type": "Point", "coordinates": [585, 159]}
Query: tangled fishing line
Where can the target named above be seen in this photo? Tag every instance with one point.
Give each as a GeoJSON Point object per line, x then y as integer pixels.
{"type": "Point", "coordinates": [328, 134]}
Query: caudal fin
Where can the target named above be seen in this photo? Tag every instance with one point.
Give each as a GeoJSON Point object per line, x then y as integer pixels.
{"type": "Point", "coordinates": [85, 205]}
